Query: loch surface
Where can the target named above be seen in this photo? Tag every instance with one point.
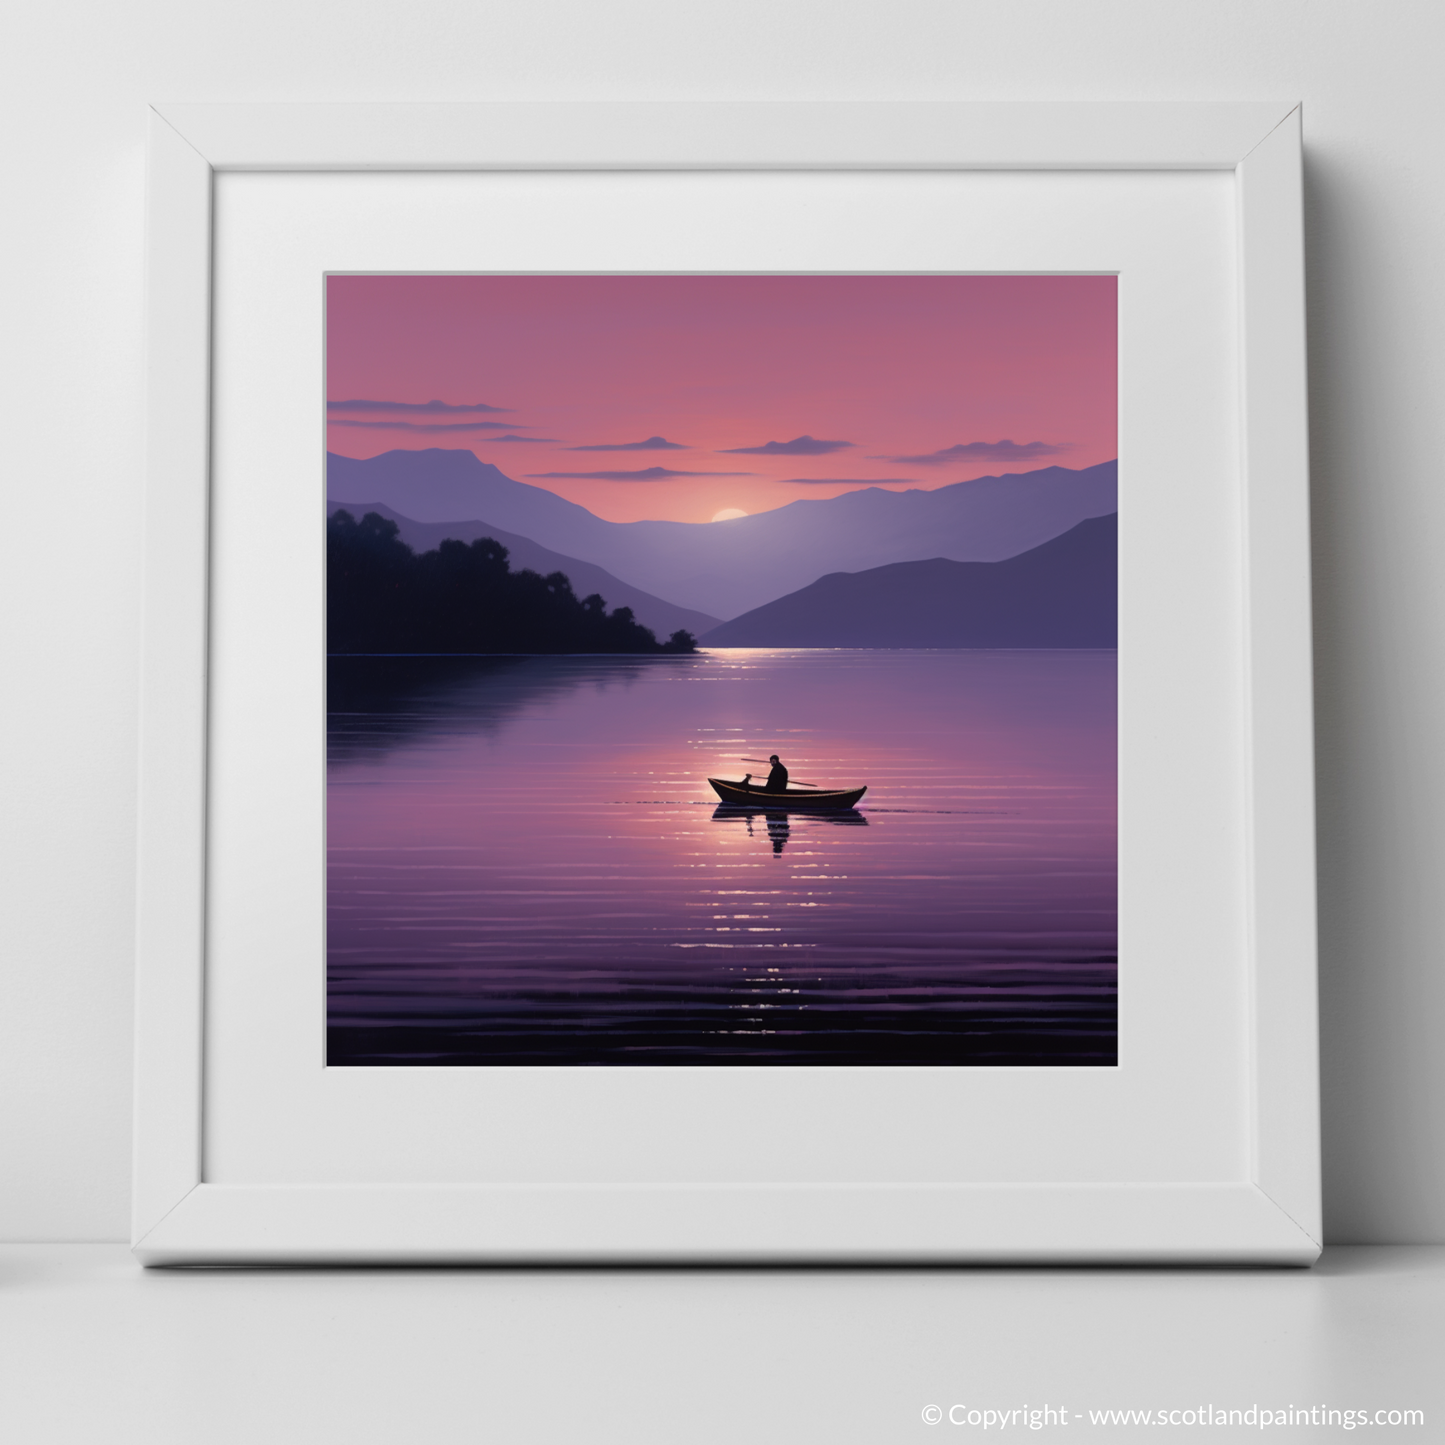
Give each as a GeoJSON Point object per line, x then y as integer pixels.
{"type": "Point", "coordinates": [527, 866]}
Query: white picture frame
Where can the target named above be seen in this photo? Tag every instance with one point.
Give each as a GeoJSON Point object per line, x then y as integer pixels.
{"type": "Point", "coordinates": [1269, 1213]}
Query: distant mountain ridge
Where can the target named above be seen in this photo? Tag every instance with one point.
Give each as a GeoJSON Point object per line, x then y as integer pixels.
{"type": "Point", "coordinates": [664, 618]}
{"type": "Point", "coordinates": [1063, 593]}
{"type": "Point", "coordinates": [727, 568]}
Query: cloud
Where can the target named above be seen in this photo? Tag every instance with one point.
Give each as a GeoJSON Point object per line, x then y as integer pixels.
{"type": "Point", "coordinates": [652, 444]}
{"type": "Point", "coordinates": [650, 474]}
{"type": "Point", "coordinates": [544, 441]}
{"type": "Point", "coordinates": [429, 425]}
{"type": "Point", "coordinates": [1004, 451]}
{"type": "Point", "coordinates": [804, 446]}
{"type": "Point", "coordinates": [410, 406]}
{"type": "Point", "coordinates": [843, 481]}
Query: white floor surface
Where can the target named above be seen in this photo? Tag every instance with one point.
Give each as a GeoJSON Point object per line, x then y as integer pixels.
{"type": "Point", "coordinates": [95, 1349]}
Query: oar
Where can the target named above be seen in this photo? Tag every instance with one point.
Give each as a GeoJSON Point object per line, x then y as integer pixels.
{"type": "Point", "coordinates": [765, 764]}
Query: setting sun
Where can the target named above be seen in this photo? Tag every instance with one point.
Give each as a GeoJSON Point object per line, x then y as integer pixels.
{"type": "Point", "coordinates": [728, 514]}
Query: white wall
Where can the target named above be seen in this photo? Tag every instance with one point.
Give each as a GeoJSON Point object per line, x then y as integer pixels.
{"type": "Point", "coordinates": [76, 79]}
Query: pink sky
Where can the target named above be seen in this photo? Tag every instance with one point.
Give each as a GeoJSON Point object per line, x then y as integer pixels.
{"type": "Point", "coordinates": [901, 368]}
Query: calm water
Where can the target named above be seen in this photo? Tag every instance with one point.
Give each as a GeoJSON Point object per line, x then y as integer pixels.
{"type": "Point", "coordinates": [528, 867]}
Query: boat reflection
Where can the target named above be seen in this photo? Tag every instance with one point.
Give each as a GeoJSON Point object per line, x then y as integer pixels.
{"type": "Point", "coordinates": [778, 821]}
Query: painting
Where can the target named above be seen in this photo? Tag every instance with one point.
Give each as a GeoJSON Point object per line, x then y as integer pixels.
{"type": "Point", "coordinates": [721, 670]}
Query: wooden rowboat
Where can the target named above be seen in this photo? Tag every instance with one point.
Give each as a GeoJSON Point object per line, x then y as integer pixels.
{"type": "Point", "coordinates": [749, 797]}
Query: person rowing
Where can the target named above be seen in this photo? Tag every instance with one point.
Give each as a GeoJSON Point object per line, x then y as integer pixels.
{"type": "Point", "coordinates": [778, 778]}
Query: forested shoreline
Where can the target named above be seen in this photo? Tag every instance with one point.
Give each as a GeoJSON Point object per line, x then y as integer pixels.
{"type": "Point", "coordinates": [382, 597]}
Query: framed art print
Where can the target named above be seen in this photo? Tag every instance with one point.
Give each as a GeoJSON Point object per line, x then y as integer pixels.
{"type": "Point", "coordinates": [754, 748]}
{"type": "Point", "coordinates": [726, 682]}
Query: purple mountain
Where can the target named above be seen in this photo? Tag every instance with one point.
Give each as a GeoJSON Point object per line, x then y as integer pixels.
{"type": "Point", "coordinates": [1062, 594]}
{"type": "Point", "coordinates": [725, 568]}
{"type": "Point", "coordinates": [662, 617]}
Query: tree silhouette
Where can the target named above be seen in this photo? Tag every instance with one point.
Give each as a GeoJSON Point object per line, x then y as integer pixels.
{"type": "Point", "coordinates": [463, 597]}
